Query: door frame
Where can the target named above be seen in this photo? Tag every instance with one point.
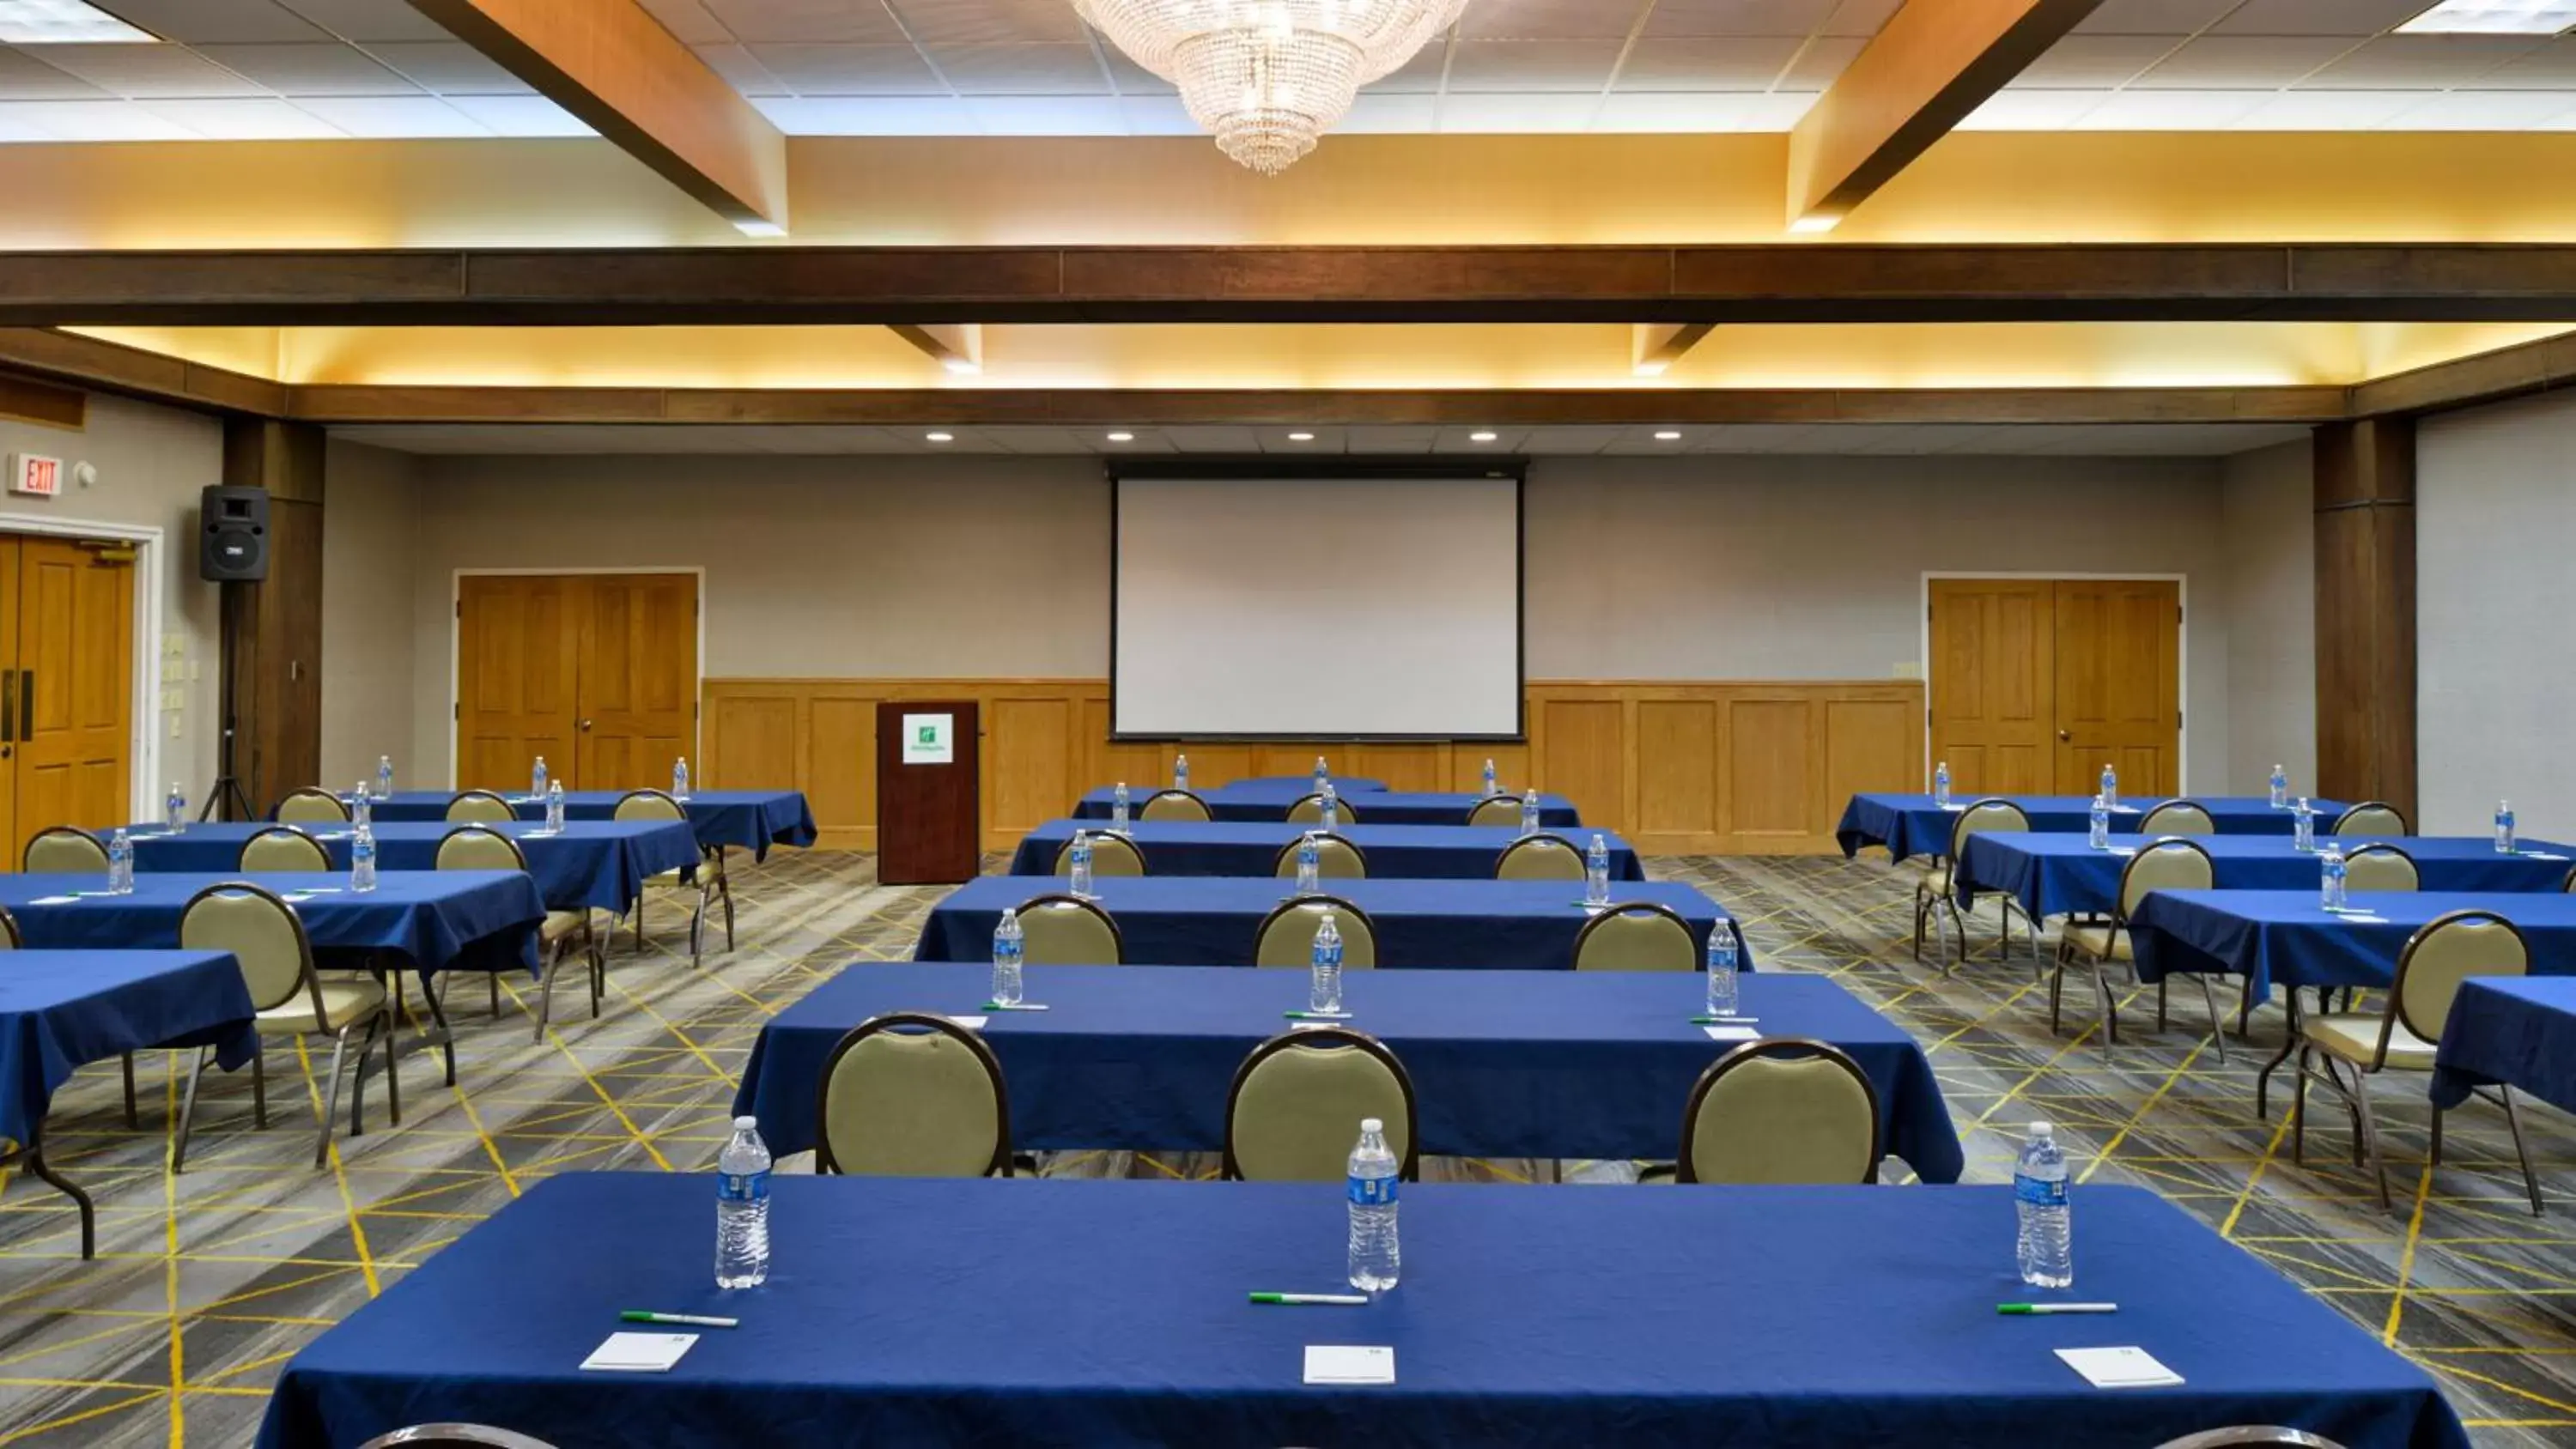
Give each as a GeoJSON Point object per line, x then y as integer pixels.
{"type": "Point", "coordinates": [2182, 646]}
{"type": "Point", "coordinates": [456, 647]}
{"type": "Point", "coordinates": [143, 743]}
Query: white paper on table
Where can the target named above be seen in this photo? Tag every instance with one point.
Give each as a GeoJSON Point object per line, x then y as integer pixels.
{"type": "Point", "coordinates": [638, 1353]}
{"type": "Point", "coordinates": [1954, 808]}
{"type": "Point", "coordinates": [1349, 1364]}
{"type": "Point", "coordinates": [53, 900]}
{"type": "Point", "coordinates": [2541, 855]}
{"type": "Point", "coordinates": [1342, 1020]}
{"type": "Point", "coordinates": [2119, 1368]}
{"type": "Point", "coordinates": [970, 1023]}
{"type": "Point", "coordinates": [2119, 850]}
{"type": "Point", "coordinates": [2361, 918]}
{"type": "Point", "coordinates": [1733, 1033]}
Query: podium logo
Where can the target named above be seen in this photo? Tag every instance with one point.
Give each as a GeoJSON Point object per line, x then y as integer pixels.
{"type": "Point", "coordinates": [926, 735]}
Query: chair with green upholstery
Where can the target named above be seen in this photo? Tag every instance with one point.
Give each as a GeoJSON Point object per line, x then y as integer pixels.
{"type": "Point", "coordinates": [2371, 818]}
{"type": "Point", "coordinates": [480, 807]}
{"type": "Point", "coordinates": [1110, 855]}
{"type": "Point", "coordinates": [1936, 901]}
{"type": "Point", "coordinates": [1781, 1110]}
{"type": "Point", "coordinates": [1062, 930]}
{"type": "Point", "coordinates": [266, 936]}
{"type": "Point", "coordinates": [1310, 811]}
{"type": "Point", "coordinates": [1176, 805]}
{"type": "Point", "coordinates": [282, 848]}
{"type": "Point", "coordinates": [310, 806]}
{"type": "Point", "coordinates": [1336, 858]}
{"type": "Point", "coordinates": [61, 850]}
{"type": "Point", "coordinates": [1496, 810]}
{"type": "Point", "coordinates": [2171, 864]}
{"type": "Point", "coordinates": [912, 1095]}
{"type": "Point", "coordinates": [1540, 857]}
{"type": "Point", "coordinates": [711, 883]}
{"type": "Point", "coordinates": [2381, 867]}
{"type": "Point", "coordinates": [1637, 936]}
{"type": "Point", "coordinates": [1297, 1102]}
{"type": "Point", "coordinates": [2404, 1035]}
{"type": "Point", "coordinates": [1287, 935]}
{"type": "Point", "coordinates": [2177, 817]}
{"type": "Point", "coordinates": [562, 936]}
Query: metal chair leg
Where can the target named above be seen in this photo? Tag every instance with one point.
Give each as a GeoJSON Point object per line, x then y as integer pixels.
{"type": "Point", "coordinates": [43, 1172]}
{"type": "Point", "coordinates": [393, 1083]}
{"type": "Point", "coordinates": [2164, 1020]}
{"type": "Point", "coordinates": [545, 999]}
{"type": "Point", "coordinates": [2110, 1018]}
{"type": "Point", "coordinates": [2217, 1023]}
{"type": "Point", "coordinates": [2522, 1152]}
{"type": "Point", "coordinates": [133, 1120]}
{"type": "Point", "coordinates": [1922, 910]}
{"type": "Point", "coordinates": [2435, 1157]}
{"type": "Point", "coordinates": [376, 1026]}
{"type": "Point", "coordinates": [2057, 989]}
{"type": "Point", "coordinates": [331, 1100]}
{"type": "Point", "coordinates": [2370, 1134]}
{"type": "Point", "coordinates": [596, 961]}
{"type": "Point", "coordinates": [188, 1108]}
{"type": "Point", "coordinates": [493, 982]}
{"type": "Point", "coordinates": [2299, 1112]}
{"type": "Point", "coordinates": [258, 1086]}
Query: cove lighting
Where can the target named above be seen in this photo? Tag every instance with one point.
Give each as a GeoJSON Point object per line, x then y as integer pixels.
{"type": "Point", "coordinates": [65, 22]}
{"type": "Point", "coordinates": [2493, 17]}
{"type": "Point", "coordinates": [941, 437]}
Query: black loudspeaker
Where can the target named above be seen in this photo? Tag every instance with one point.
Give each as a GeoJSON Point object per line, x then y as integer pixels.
{"type": "Point", "coordinates": [232, 535]}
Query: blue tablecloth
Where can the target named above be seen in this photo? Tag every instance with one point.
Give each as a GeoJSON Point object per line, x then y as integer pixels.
{"type": "Point", "coordinates": [1080, 1312]}
{"type": "Point", "coordinates": [61, 1009]}
{"type": "Point", "coordinates": [441, 920]}
{"type": "Point", "coordinates": [1297, 785]}
{"type": "Point", "coordinates": [1225, 847]}
{"type": "Point", "coordinates": [599, 864]}
{"type": "Point", "coordinates": [1385, 807]}
{"type": "Point", "coordinates": [752, 819]}
{"type": "Point", "coordinates": [2056, 874]}
{"type": "Point", "coordinates": [1504, 1063]}
{"type": "Point", "coordinates": [2286, 938]}
{"type": "Point", "coordinates": [1913, 825]}
{"type": "Point", "coordinates": [1211, 920]}
{"type": "Point", "coordinates": [2514, 1032]}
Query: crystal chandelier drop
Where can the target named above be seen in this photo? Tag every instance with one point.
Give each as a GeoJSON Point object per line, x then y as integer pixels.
{"type": "Point", "coordinates": [1268, 77]}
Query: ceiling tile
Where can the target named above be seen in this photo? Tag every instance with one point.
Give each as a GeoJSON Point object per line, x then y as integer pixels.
{"type": "Point", "coordinates": [1778, 110]}
{"type": "Point", "coordinates": [806, 22]}
{"type": "Point", "coordinates": [17, 132]}
{"type": "Point", "coordinates": [1022, 70]}
{"type": "Point", "coordinates": [1532, 65]}
{"type": "Point", "coordinates": [1550, 19]}
{"type": "Point", "coordinates": [329, 69]}
{"type": "Point", "coordinates": [23, 77]}
{"type": "Point", "coordinates": [1861, 18]}
{"type": "Point", "coordinates": [95, 121]}
{"type": "Point", "coordinates": [1749, 63]}
{"type": "Point", "coordinates": [392, 118]}
{"type": "Point", "coordinates": [1391, 113]}
{"type": "Point", "coordinates": [1157, 116]}
{"type": "Point", "coordinates": [1822, 62]}
{"type": "Point", "coordinates": [1677, 112]}
{"type": "Point", "coordinates": [244, 120]}
{"type": "Point", "coordinates": [2155, 17]}
{"type": "Point", "coordinates": [2330, 110]}
{"type": "Point", "coordinates": [2354, 18]}
{"type": "Point", "coordinates": [1423, 73]}
{"type": "Point", "coordinates": [2266, 62]}
{"type": "Point", "coordinates": [742, 71]}
{"type": "Point", "coordinates": [850, 70]}
{"type": "Point", "coordinates": [939, 115]}
{"type": "Point", "coordinates": [190, 21]}
{"type": "Point", "coordinates": [449, 68]}
{"type": "Point", "coordinates": [1796, 19]}
{"type": "Point", "coordinates": [148, 70]}
{"type": "Point", "coordinates": [2019, 110]}
{"type": "Point", "coordinates": [365, 21]}
{"type": "Point", "coordinates": [1047, 115]}
{"type": "Point", "coordinates": [990, 22]}
{"type": "Point", "coordinates": [1390, 442]}
{"type": "Point", "coordinates": [2171, 110]}
{"type": "Point", "coordinates": [521, 116]}
{"type": "Point", "coordinates": [689, 22]}
{"type": "Point", "coordinates": [2082, 62]}
{"type": "Point", "coordinates": [2424, 62]}
{"type": "Point", "coordinates": [2487, 111]}
{"type": "Point", "coordinates": [2550, 67]}
{"type": "Point", "coordinates": [1214, 440]}
{"type": "Point", "coordinates": [1539, 113]}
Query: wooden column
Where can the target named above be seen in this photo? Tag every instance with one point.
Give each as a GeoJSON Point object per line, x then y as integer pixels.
{"type": "Point", "coordinates": [2365, 526]}
{"type": "Point", "coordinates": [273, 630]}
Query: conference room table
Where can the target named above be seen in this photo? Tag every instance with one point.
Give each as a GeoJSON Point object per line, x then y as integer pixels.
{"type": "Point", "coordinates": [2062, 873]}
{"type": "Point", "coordinates": [1538, 1064]}
{"type": "Point", "coordinates": [1212, 920]}
{"type": "Point", "coordinates": [1913, 825]}
{"type": "Point", "coordinates": [60, 1010]}
{"type": "Point", "coordinates": [2510, 1031]}
{"type": "Point", "coordinates": [589, 865]}
{"type": "Point", "coordinates": [1379, 807]}
{"type": "Point", "coordinates": [2286, 938]}
{"type": "Point", "coordinates": [751, 819]}
{"type": "Point", "coordinates": [1066, 1311]}
{"type": "Point", "coordinates": [1228, 847]}
{"type": "Point", "coordinates": [1297, 785]}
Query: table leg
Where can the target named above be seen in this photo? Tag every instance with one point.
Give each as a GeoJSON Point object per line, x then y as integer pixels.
{"type": "Point", "coordinates": [2289, 1044]}
{"type": "Point", "coordinates": [440, 1038]}
{"type": "Point", "coordinates": [42, 1171]}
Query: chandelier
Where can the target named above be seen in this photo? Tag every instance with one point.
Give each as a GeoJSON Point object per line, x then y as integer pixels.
{"type": "Point", "coordinates": [1268, 77]}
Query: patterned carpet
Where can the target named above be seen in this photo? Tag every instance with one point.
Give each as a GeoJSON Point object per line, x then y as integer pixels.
{"type": "Point", "coordinates": [206, 1283]}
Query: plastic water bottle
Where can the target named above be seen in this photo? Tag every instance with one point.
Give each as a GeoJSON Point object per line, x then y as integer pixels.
{"type": "Point", "coordinates": [2097, 828]}
{"type": "Point", "coordinates": [2047, 1248]}
{"type": "Point", "coordinates": [1080, 861]}
{"type": "Point", "coordinates": [2504, 826]}
{"type": "Point", "coordinates": [1721, 969]}
{"type": "Point", "coordinates": [2303, 826]}
{"type": "Point", "coordinates": [1180, 772]}
{"type": "Point", "coordinates": [742, 1208]}
{"type": "Point", "coordinates": [1941, 784]}
{"type": "Point", "coordinates": [2280, 788]}
{"type": "Point", "coordinates": [384, 777]}
{"type": "Point", "coordinates": [362, 811]}
{"type": "Point", "coordinates": [1310, 865]}
{"type": "Point", "coordinates": [537, 779]}
{"type": "Point", "coordinates": [1596, 873]}
{"type": "Point", "coordinates": [1324, 980]}
{"type": "Point", "coordinates": [362, 859]}
{"type": "Point", "coordinates": [2332, 886]}
{"type": "Point", "coordinates": [120, 863]}
{"type": "Point", "coordinates": [1490, 787]}
{"type": "Point", "coordinates": [554, 808]}
{"type": "Point", "coordinates": [680, 778]}
{"type": "Point", "coordinates": [1328, 811]}
{"type": "Point", "coordinates": [1118, 808]}
{"type": "Point", "coordinates": [1375, 1258]}
{"type": "Point", "coordinates": [1323, 777]}
{"type": "Point", "coordinates": [1009, 950]}
{"type": "Point", "coordinates": [1529, 812]}
{"type": "Point", "coordinates": [2110, 787]}
{"type": "Point", "coordinates": [174, 809]}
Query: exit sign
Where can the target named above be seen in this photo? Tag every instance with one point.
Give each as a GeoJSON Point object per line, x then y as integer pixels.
{"type": "Point", "coordinates": [42, 477]}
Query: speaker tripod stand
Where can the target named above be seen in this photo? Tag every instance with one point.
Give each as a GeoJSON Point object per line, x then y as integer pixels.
{"type": "Point", "coordinates": [227, 790]}
{"type": "Point", "coordinates": [228, 793]}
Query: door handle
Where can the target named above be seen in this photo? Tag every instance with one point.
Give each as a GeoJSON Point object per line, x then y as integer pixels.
{"type": "Point", "coordinates": [2063, 736]}
{"type": "Point", "coordinates": [8, 696]}
{"type": "Point", "coordinates": [585, 724]}
{"type": "Point", "coordinates": [26, 704]}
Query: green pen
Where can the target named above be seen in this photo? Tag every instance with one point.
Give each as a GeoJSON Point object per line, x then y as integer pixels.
{"type": "Point", "coordinates": [1316, 1015]}
{"type": "Point", "coordinates": [1726, 1021]}
{"type": "Point", "coordinates": [1342, 1300]}
{"type": "Point", "coordinates": [684, 1320]}
{"type": "Point", "coordinates": [2042, 1310]}
{"type": "Point", "coordinates": [1014, 1006]}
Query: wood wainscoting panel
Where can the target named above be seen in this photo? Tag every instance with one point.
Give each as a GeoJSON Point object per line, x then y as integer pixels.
{"type": "Point", "coordinates": [1872, 744]}
{"type": "Point", "coordinates": [1029, 761]}
{"type": "Point", "coordinates": [1773, 765]}
{"type": "Point", "coordinates": [1581, 744]}
{"type": "Point", "coordinates": [1676, 767]}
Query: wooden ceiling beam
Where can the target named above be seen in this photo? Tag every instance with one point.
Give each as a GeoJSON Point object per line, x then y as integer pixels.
{"type": "Point", "coordinates": [133, 372]}
{"type": "Point", "coordinates": [957, 346]}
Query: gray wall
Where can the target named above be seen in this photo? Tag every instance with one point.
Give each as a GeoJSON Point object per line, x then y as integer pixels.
{"type": "Point", "coordinates": [371, 520]}
{"type": "Point", "coordinates": [2267, 515]}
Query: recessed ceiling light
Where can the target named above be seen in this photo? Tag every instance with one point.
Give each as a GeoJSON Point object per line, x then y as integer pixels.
{"type": "Point", "coordinates": [1122, 437]}
{"type": "Point", "coordinates": [941, 437]}
{"type": "Point", "coordinates": [65, 22]}
{"type": "Point", "coordinates": [1480, 437]}
{"type": "Point", "coordinates": [1668, 437]}
{"type": "Point", "coordinates": [2494, 17]}
{"type": "Point", "coordinates": [1301, 437]}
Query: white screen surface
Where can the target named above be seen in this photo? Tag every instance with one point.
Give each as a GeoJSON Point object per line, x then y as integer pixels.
{"type": "Point", "coordinates": [1304, 606]}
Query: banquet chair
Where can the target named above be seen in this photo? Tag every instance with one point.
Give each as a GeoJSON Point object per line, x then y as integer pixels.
{"type": "Point", "coordinates": [282, 847]}
{"type": "Point", "coordinates": [1781, 1110]}
{"type": "Point", "coordinates": [1937, 904]}
{"type": "Point", "coordinates": [1503, 810]}
{"type": "Point", "coordinates": [1110, 855]}
{"type": "Point", "coordinates": [2177, 817]}
{"type": "Point", "coordinates": [2371, 817]}
{"type": "Point", "coordinates": [454, 1436]}
{"type": "Point", "coordinates": [1539, 857]}
{"type": "Point", "coordinates": [1336, 858]}
{"type": "Point", "coordinates": [711, 881]}
{"type": "Point", "coordinates": [2251, 1436]}
{"type": "Point", "coordinates": [61, 850]}
{"type": "Point", "coordinates": [1297, 1103]}
{"type": "Point", "coordinates": [1062, 930]}
{"type": "Point", "coordinates": [2381, 867]}
{"type": "Point", "coordinates": [561, 936]}
{"type": "Point", "coordinates": [1309, 810]}
{"type": "Point", "coordinates": [2164, 865]}
{"type": "Point", "coordinates": [1179, 805]}
{"type": "Point", "coordinates": [291, 999]}
{"type": "Point", "coordinates": [480, 807]}
{"type": "Point", "coordinates": [2404, 1035]}
{"type": "Point", "coordinates": [1287, 935]}
{"type": "Point", "coordinates": [912, 1095]}
{"type": "Point", "coordinates": [1637, 936]}
{"type": "Point", "coordinates": [310, 806]}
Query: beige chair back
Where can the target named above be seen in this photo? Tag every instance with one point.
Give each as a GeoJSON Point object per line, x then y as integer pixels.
{"type": "Point", "coordinates": [1495, 810]}
{"type": "Point", "coordinates": [2235, 1436]}
{"type": "Point", "coordinates": [2371, 818]}
{"type": "Point", "coordinates": [1310, 811]}
{"type": "Point", "coordinates": [281, 848]}
{"type": "Point", "coordinates": [648, 805]}
{"type": "Point", "coordinates": [1287, 934]}
{"type": "Point", "coordinates": [61, 850]}
{"type": "Point", "coordinates": [10, 940]}
{"type": "Point", "coordinates": [480, 807]}
{"type": "Point", "coordinates": [1985, 815]}
{"type": "Point", "coordinates": [1295, 1110]}
{"type": "Point", "coordinates": [263, 933]}
{"type": "Point", "coordinates": [1638, 936]}
{"type": "Point", "coordinates": [1336, 858]}
{"type": "Point", "coordinates": [1110, 855]}
{"type": "Point", "coordinates": [1783, 1110]}
{"type": "Point", "coordinates": [2447, 951]}
{"type": "Point", "coordinates": [1540, 857]}
{"type": "Point", "coordinates": [909, 1095]}
{"type": "Point", "coordinates": [1061, 930]}
{"type": "Point", "coordinates": [1177, 805]}
{"type": "Point", "coordinates": [474, 847]}
{"type": "Point", "coordinates": [2165, 865]}
{"type": "Point", "coordinates": [310, 806]}
{"type": "Point", "coordinates": [2178, 817]}
{"type": "Point", "coordinates": [2381, 868]}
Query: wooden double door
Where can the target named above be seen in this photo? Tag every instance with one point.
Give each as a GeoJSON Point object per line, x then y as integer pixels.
{"type": "Point", "coordinates": [66, 685]}
{"type": "Point", "coordinates": [596, 672]}
{"type": "Point", "coordinates": [2036, 684]}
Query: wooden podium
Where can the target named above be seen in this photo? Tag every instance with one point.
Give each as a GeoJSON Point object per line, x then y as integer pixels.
{"type": "Point", "coordinates": [927, 793]}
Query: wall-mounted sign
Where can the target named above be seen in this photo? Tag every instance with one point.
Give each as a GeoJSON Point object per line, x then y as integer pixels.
{"type": "Point", "coordinates": [29, 473]}
{"type": "Point", "coordinates": [929, 739]}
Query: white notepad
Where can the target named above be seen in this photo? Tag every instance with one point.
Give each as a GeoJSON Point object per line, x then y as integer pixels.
{"type": "Point", "coordinates": [638, 1353]}
{"type": "Point", "coordinates": [1345, 1364]}
{"type": "Point", "coordinates": [1342, 1020]}
{"type": "Point", "coordinates": [53, 900]}
{"type": "Point", "coordinates": [1733, 1033]}
{"type": "Point", "coordinates": [970, 1023]}
{"type": "Point", "coordinates": [2119, 1368]}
